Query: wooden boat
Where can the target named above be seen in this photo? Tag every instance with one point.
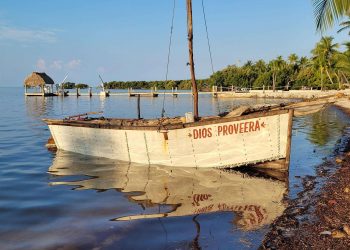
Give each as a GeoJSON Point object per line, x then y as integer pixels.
{"type": "Point", "coordinates": [255, 201]}
{"type": "Point", "coordinates": [198, 142]}
{"type": "Point", "coordinates": [310, 107]}
{"type": "Point", "coordinates": [207, 142]}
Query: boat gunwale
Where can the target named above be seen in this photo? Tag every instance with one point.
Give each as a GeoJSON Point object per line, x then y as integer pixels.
{"type": "Point", "coordinates": [214, 120]}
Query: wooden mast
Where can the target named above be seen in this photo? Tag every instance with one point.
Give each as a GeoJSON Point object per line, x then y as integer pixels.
{"type": "Point", "coordinates": [190, 48]}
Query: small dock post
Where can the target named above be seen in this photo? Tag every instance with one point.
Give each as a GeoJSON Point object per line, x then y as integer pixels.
{"type": "Point", "coordinates": [138, 107]}
{"type": "Point", "coordinates": [130, 91]}
{"type": "Point", "coordinates": [174, 92]}
{"type": "Point", "coordinates": [90, 91]}
{"type": "Point", "coordinates": [215, 91]}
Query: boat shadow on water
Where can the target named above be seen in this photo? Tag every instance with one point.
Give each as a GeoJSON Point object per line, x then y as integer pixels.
{"type": "Point", "coordinates": [256, 198]}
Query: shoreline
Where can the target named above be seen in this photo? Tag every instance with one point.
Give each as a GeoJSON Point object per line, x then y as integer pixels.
{"type": "Point", "coordinates": [291, 94]}
{"type": "Point", "coordinates": [319, 218]}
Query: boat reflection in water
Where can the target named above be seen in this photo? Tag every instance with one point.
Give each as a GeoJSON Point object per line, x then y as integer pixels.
{"type": "Point", "coordinates": [255, 201]}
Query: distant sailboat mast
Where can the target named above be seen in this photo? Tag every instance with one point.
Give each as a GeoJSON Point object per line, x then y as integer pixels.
{"type": "Point", "coordinates": [190, 48]}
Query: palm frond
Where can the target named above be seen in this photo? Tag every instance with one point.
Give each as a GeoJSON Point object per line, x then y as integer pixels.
{"type": "Point", "coordinates": [328, 11]}
{"type": "Point", "coordinates": [346, 26]}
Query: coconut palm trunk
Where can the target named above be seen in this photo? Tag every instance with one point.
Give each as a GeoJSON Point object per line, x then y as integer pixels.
{"type": "Point", "coordinates": [346, 79]}
{"type": "Point", "coordinates": [321, 71]}
{"type": "Point", "coordinates": [274, 82]}
{"type": "Point", "coordinates": [329, 76]}
{"type": "Point", "coordinates": [339, 80]}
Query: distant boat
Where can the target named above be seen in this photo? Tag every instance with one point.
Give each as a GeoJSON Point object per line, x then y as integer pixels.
{"type": "Point", "coordinates": [103, 92]}
{"type": "Point", "coordinates": [192, 141]}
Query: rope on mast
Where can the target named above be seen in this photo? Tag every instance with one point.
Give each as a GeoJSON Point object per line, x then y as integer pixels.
{"type": "Point", "coordinates": [209, 47]}
{"type": "Point", "coordinates": [208, 41]}
{"type": "Point", "coordinates": [168, 60]}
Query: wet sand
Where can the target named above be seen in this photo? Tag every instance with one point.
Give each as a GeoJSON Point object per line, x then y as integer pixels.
{"type": "Point", "coordinates": [319, 218]}
{"type": "Point", "coordinates": [343, 104]}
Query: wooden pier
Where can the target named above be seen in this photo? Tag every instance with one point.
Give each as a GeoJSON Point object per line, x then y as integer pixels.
{"type": "Point", "coordinates": [153, 92]}
{"type": "Point", "coordinates": [40, 94]}
{"type": "Point", "coordinates": [143, 94]}
{"type": "Point", "coordinates": [132, 94]}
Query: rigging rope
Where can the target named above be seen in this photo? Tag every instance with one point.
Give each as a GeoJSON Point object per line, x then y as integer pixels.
{"type": "Point", "coordinates": [209, 47]}
{"type": "Point", "coordinates": [208, 41]}
{"type": "Point", "coordinates": [168, 61]}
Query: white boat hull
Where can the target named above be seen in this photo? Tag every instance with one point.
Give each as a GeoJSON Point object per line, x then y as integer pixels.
{"type": "Point", "coordinates": [242, 141]}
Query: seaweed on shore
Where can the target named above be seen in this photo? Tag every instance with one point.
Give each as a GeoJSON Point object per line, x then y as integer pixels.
{"type": "Point", "coordinates": [317, 220]}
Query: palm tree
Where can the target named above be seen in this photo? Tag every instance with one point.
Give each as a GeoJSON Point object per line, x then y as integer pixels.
{"type": "Point", "coordinates": [343, 59]}
{"type": "Point", "coordinates": [248, 64]}
{"type": "Point", "coordinates": [260, 66]}
{"type": "Point", "coordinates": [294, 67]}
{"type": "Point", "coordinates": [303, 62]}
{"type": "Point", "coordinates": [324, 57]}
{"type": "Point", "coordinates": [328, 11]}
{"type": "Point", "coordinates": [318, 65]}
{"type": "Point", "coordinates": [346, 25]}
{"type": "Point", "coordinates": [293, 58]}
{"type": "Point", "coordinates": [343, 64]}
{"type": "Point", "coordinates": [276, 65]}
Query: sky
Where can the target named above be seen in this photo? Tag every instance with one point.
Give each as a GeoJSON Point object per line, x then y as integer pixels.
{"type": "Point", "coordinates": [128, 39]}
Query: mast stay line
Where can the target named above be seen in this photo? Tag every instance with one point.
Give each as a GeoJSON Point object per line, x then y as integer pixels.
{"type": "Point", "coordinates": [168, 59]}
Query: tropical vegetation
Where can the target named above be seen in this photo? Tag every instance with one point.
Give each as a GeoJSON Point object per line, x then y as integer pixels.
{"type": "Point", "coordinates": [327, 68]}
{"type": "Point", "coordinates": [328, 11]}
{"type": "Point", "coordinates": [72, 85]}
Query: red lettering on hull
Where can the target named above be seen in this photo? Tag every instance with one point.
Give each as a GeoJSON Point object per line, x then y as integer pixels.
{"type": "Point", "coordinates": [224, 130]}
{"type": "Point", "coordinates": [202, 133]}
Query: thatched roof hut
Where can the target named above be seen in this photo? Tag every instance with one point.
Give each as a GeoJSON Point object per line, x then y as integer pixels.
{"type": "Point", "coordinates": [38, 79]}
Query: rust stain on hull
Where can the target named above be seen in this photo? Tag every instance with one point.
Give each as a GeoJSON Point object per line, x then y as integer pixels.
{"type": "Point", "coordinates": [51, 144]}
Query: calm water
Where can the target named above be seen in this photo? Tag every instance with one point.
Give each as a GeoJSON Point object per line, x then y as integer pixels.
{"type": "Point", "coordinates": [68, 201]}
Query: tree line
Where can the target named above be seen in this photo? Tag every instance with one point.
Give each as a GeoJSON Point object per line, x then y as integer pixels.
{"type": "Point", "coordinates": [72, 85]}
{"type": "Point", "coordinates": [179, 84]}
{"type": "Point", "coordinates": [327, 68]}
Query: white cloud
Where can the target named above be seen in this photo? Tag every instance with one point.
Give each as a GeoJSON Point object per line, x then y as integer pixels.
{"type": "Point", "coordinates": [73, 63]}
{"type": "Point", "coordinates": [57, 65]}
{"type": "Point", "coordinates": [41, 65]}
{"type": "Point", "coordinates": [26, 35]}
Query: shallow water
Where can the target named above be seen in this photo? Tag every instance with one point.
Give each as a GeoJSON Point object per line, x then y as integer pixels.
{"type": "Point", "coordinates": [64, 200]}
